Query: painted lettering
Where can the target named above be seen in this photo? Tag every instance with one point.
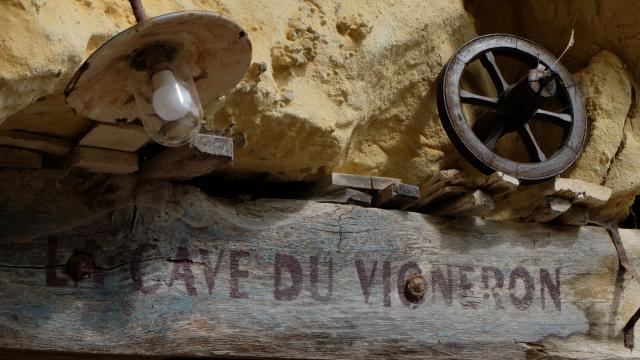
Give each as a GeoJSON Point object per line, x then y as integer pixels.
{"type": "Point", "coordinates": [554, 289]}
{"type": "Point", "coordinates": [235, 273]}
{"type": "Point", "coordinates": [292, 265]}
{"type": "Point", "coordinates": [497, 286]}
{"type": "Point", "coordinates": [466, 288]}
{"type": "Point", "coordinates": [134, 268]}
{"type": "Point", "coordinates": [523, 302]}
{"type": "Point", "coordinates": [210, 273]}
{"type": "Point", "coordinates": [93, 249]}
{"type": "Point", "coordinates": [365, 281]}
{"type": "Point", "coordinates": [182, 261]}
{"type": "Point", "coordinates": [438, 281]}
{"type": "Point", "coordinates": [405, 271]}
{"type": "Point", "coordinates": [314, 280]}
{"type": "Point", "coordinates": [386, 283]}
{"type": "Point", "coordinates": [51, 276]}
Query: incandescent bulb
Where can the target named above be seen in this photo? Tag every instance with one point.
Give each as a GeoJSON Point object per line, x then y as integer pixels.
{"type": "Point", "coordinates": [171, 100]}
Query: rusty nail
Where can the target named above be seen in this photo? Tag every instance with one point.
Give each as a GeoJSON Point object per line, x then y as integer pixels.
{"type": "Point", "coordinates": [79, 266]}
{"type": "Point", "coordinates": [415, 287]}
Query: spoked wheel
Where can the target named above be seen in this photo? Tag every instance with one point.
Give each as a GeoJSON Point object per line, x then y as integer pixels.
{"type": "Point", "coordinates": [516, 108]}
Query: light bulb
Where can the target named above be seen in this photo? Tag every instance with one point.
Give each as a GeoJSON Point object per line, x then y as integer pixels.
{"type": "Point", "coordinates": [171, 100]}
{"type": "Point", "coordinates": [169, 105]}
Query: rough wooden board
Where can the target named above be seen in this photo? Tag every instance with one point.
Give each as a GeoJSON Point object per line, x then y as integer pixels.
{"type": "Point", "coordinates": [21, 158]}
{"type": "Point", "coordinates": [102, 160]}
{"type": "Point", "coordinates": [379, 183]}
{"type": "Point", "coordinates": [338, 181]}
{"type": "Point", "coordinates": [472, 204]}
{"type": "Point", "coordinates": [37, 142]}
{"type": "Point", "coordinates": [48, 116]}
{"type": "Point", "coordinates": [576, 216]}
{"type": "Point", "coordinates": [551, 208]}
{"type": "Point", "coordinates": [169, 288]}
{"type": "Point", "coordinates": [523, 203]}
{"type": "Point", "coordinates": [499, 184]}
{"type": "Point", "coordinates": [206, 154]}
{"type": "Point", "coordinates": [440, 194]}
{"type": "Point", "coordinates": [122, 137]}
{"type": "Point", "coordinates": [36, 203]}
{"type": "Point", "coordinates": [347, 196]}
{"type": "Point", "coordinates": [396, 196]}
{"type": "Point", "coordinates": [579, 192]}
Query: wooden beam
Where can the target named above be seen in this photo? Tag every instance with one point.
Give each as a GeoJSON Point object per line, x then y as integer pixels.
{"type": "Point", "coordinates": [206, 154]}
{"type": "Point", "coordinates": [498, 184]}
{"type": "Point", "coordinates": [41, 143]}
{"type": "Point", "coordinates": [338, 181]}
{"type": "Point", "coordinates": [551, 208]}
{"type": "Point", "coordinates": [346, 196]}
{"type": "Point", "coordinates": [522, 203]}
{"type": "Point", "coordinates": [102, 161]}
{"type": "Point", "coordinates": [20, 158]}
{"type": "Point", "coordinates": [396, 196]}
{"type": "Point", "coordinates": [122, 137]}
{"type": "Point", "coordinates": [579, 192]}
{"type": "Point", "coordinates": [301, 279]}
{"type": "Point", "coordinates": [475, 203]}
{"type": "Point", "coordinates": [379, 183]}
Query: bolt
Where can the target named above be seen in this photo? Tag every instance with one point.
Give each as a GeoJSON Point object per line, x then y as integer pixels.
{"type": "Point", "coordinates": [415, 287]}
{"type": "Point", "coordinates": [79, 266]}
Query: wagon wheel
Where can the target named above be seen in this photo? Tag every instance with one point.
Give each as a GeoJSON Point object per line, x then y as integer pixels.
{"type": "Point", "coordinates": [516, 107]}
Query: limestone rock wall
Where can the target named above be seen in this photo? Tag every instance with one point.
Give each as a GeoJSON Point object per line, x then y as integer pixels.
{"type": "Point", "coordinates": [341, 85]}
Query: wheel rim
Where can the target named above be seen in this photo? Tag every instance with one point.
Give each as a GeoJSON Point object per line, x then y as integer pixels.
{"type": "Point", "coordinates": [482, 156]}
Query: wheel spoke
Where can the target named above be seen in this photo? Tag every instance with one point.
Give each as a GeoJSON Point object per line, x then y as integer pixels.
{"type": "Point", "coordinates": [535, 152]}
{"type": "Point", "coordinates": [495, 135]}
{"type": "Point", "coordinates": [563, 120]}
{"type": "Point", "coordinates": [489, 63]}
{"type": "Point", "coordinates": [475, 99]}
{"type": "Point", "coordinates": [489, 129]}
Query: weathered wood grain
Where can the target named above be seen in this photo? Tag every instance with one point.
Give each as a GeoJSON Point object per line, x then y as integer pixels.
{"type": "Point", "coordinates": [396, 196]}
{"type": "Point", "coordinates": [102, 160]}
{"type": "Point", "coordinates": [37, 142]}
{"type": "Point", "coordinates": [551, 208]}
{"type": "Point", "coordinates": [188, 275]}
{"type": "Point", "coordinates": [121, 137]}
{"type": "Point", "coordinates": [346, 196]}
{"type": "Point", "coordinates": [474, 203]}
{"type": "Point", "coordinates": [338, 181]}
{"type": "Point", "coordinates": [206, 154]}
{"type": "Point", "coordinates": [20, 158]}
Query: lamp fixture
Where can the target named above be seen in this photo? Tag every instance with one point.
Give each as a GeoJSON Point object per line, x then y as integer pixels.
{"type": "Point", "coordinates": [160, 71]}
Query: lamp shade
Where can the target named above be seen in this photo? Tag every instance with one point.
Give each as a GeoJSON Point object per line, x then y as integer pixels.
{"type": "Point", "coordinates": [210, 48]}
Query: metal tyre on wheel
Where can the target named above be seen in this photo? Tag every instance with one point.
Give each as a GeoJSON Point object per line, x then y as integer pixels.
{"type": "Point", "coordinates": [515, 109]}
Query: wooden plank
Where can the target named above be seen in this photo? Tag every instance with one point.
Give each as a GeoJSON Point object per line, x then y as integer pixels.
{"type": "Point", "coordinates": [20, 158]}
{"type": "Point", "coordinates": [338, 181]}
{"type": "Point", "coordinates": [440, 194]}
{"type": "Point", "coordinates": [580, 192]}
{"type": "Point", "coordinates": [206, 154]}
{"type": "Point", "coordinates": [122, 137]}
{"type": "Point", "coordinates": [37, 142]}
{"type": "Point", "coordinates": [379, 183]}
{"type": "Point", "coordinates": [499, 184]}
{"type": "Point", "coordinates": [300, 279]}
{"type": "Point", "coordinates": [102, 161]}
{"type": "Point", "coordinates": [40, 202]}
{"type": "Point", "coordinates": [551, 208]}
{"type": "Point", "coordinates": [522, 203]}
{"type": "Point", "coordinates": [396, 196]}
{"type": "Point", "coordinates": [472, 204]}
{"type": "Point", "coordinates": [347, 196]}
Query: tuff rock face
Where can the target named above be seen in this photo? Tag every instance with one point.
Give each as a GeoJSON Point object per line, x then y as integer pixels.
{"type": "Point", "coordinates": [341, 85]}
